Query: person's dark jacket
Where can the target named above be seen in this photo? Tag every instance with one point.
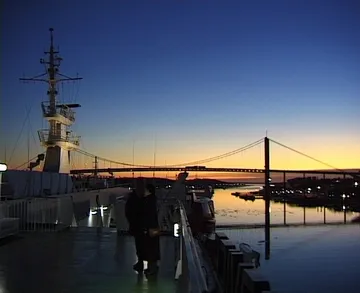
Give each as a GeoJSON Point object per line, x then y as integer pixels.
{"type": "Point", "coordinates": [134, 213]}
{"type": "Point", "coordinates": [142, 216]}
{"type": "Point", "coordinates": [150, 211]}
{"type": "Point", "coordinates": [141, 213]}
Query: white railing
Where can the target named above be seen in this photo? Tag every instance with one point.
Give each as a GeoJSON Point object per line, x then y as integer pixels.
{"type": "Point", "coordinates": [192, 277]}
{"type": "Point", "coordinates": [46, 138]}
{"type": "Point", "coordinates": [166, 208]}
{"type": "Point", "coordinates": [62, 110]}
{"type": "Point", "coordinates": [8, 227]}
{"type": "Point", "coordinates": [40, 214]}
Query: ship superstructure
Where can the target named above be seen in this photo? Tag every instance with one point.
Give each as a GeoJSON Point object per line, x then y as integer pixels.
{"type": "Point", "coordinates": [58, 139]}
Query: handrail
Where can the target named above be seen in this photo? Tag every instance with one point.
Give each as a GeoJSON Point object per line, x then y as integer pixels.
{"type": "Point", "coordinates": [64, 111]}
{"type": "Point", "coordinates": [44, 136]}
{"type": "Point", "coordinates": [197, 279]}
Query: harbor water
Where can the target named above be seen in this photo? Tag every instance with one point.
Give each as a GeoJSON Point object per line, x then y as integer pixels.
{"type": "Point", "coordinates": [233, 210]}
{"type": "Point", "coordinates": [306, 258]}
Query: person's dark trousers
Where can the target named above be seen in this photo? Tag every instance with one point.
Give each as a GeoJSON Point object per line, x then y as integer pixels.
{"type": "Point", "coordinates": [152, 254]}
{"type": "Point", "coordinates": [152, 245]}
{"type": "Point", "coordinates": [140, 246]}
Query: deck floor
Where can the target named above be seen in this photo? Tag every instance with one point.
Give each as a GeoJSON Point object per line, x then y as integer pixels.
{"type": "Point", "coordinates": [80, 260]}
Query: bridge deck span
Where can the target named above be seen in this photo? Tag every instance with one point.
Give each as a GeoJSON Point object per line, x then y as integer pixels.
{"type": "Point", "coordinates": [219, 170]}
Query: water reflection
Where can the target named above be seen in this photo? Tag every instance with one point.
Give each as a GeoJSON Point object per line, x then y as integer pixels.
{"type": "Point", "coordinates": [329, 252]}
{"type": "Point", "coordinates": [233, 210]}
{"type": "Point", "coordinates": [298, 253]}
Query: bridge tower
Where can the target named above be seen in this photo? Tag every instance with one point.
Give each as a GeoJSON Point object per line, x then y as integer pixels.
{"type": "Point", "coordinates": [58, 139]}
{"type": "Point", "coordinates": [96, 166]}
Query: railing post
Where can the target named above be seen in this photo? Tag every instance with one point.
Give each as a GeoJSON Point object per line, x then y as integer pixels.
{"type": "Point", "coordinates": [0, 182]}
{"type": "Point", "coordinates": [267, 198]}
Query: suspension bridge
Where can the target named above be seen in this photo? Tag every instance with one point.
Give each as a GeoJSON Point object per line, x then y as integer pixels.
{"type": "Point", "coordinates": [198, 165]}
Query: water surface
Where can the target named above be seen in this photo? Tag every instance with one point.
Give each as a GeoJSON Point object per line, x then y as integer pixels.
{"type": "Point", "coordinates": [234, 210]}
{"type": "Point", "coordinates": [308, 259]}
{"type": "Point", "coordinates": [304, 259]}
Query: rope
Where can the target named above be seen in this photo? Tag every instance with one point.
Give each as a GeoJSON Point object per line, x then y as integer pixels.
{"type": "Point", "coordinates": [32, 134]}
{"type": "Point", "coordinates": [77, 91]}
{"type": "Point", "coordinates": [26, 163]}
{"type": "Point", "coordinates": [21, 131]}
{"type": "Point", "coordinates": [62, 94]}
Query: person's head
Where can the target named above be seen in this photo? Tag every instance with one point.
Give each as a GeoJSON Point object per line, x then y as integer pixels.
{"type": "Point", "coordinates": [151, 188]}
{"type": "Point", "coordinates": [140, 186]}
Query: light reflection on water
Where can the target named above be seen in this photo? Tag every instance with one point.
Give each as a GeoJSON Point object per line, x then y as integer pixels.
{"type": "Point", "coordinates": [234, 210]}
{"type": "Point", "coordinates": [303, 259]}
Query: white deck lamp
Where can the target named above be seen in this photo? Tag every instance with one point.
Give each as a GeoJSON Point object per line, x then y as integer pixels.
{"type": "Point", "coordinates": [3, 167]}
{"type": "Point", "coordinates": [176, 230]}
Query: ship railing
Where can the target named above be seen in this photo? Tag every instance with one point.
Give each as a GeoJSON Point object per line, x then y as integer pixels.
{"type": "Point", "coordinates": [40, 214]}
{"type": "Point", "coordinates": [8, 226]}
{"type": "Point", "coordinates": [166, 210]}
{"type": "Point", "coordinates": [62, 110]}
{"type": "Point", "coordinates": [46, 138]}
{"type": "Point", "coordinates": [192, 277]}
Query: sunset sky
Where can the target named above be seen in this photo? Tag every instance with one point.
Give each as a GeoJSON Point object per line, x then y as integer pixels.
{"type": "Point", "coordinates": [195, 78]}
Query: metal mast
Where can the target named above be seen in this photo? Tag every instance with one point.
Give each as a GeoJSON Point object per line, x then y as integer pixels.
{"type": "Point", "coordinates": [58, 138]}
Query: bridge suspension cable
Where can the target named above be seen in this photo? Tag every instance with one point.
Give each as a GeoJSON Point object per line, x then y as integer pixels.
{"type": "Point", "coordinates": [225, 155]}
{"type": "Point", "coordinates": [110, 161]}
{"type": "Point", "coordinates": [305, 155]}
{"type": "Point", "coordinates": [207, 160]}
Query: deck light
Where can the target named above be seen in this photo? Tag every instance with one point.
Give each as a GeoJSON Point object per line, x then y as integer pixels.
{"type": "Point", "coordinates": [3, 167]}
{"type": "Point", "coordinates": [176, 230]}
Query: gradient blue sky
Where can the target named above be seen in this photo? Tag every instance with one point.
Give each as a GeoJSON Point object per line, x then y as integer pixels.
{"type": "Point", "coordinates": [203, 77]}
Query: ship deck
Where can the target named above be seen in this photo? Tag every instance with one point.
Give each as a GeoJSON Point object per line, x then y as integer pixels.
{"type": "Point", "coordinates": [80, 260]}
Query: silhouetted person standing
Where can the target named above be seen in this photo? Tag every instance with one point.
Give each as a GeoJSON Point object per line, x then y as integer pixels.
{"type": "Point", "coordinates": [141, 212]}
